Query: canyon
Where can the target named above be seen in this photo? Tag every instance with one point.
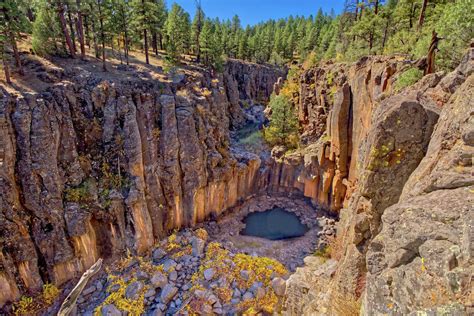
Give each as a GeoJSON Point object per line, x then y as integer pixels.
{"type": "Point", "coordinates": [92, 167]}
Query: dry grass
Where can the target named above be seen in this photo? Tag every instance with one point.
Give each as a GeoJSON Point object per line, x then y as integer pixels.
{"type": "Point", "coordinates": [31, 83]}
{"type": "Point", "coordinates": [344, 304]}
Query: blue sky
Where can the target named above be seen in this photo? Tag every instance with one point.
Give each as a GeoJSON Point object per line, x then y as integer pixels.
{"type": "Point", "coordinates": [254, 11]}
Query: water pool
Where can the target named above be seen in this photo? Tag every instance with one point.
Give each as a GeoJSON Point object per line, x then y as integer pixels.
{"type": "Point", "coordinates": [274, 224]}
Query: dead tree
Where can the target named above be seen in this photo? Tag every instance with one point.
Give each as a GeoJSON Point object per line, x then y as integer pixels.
{"type": "Point", "coordinates": [430, 59]}
{"type": "Point", "coordinates": [69, 303]}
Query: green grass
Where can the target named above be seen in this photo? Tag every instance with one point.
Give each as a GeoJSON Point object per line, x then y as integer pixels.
{"type": "Point", "coordinates": [408, 78]}
{"type": "Point", "coordinates": [253, 142]}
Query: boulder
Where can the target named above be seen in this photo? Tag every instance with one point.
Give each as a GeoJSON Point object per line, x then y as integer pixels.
{"type": "Point", "coordinates": [168, 292]}
{"type": "Point", "coordinates": [158, 254]}
{"type": "Point", "coordinates": [133, 290]}
{"type": "Point", "coordinates": [110, 310]}
{"type": "Point", "coordinates": [159, 280]}
{"type": "Point", "coordinates": [198, 246]}
{"type": "Point", "coordinates": [209, 274]}
{"type": "Point", "coordinates": [279, 286]}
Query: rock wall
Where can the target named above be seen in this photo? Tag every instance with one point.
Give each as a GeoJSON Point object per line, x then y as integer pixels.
{"type": "Point", "coordinates": [336, 106]}
{"type": "Point", "coordinates": [404, 241]}
{"type": "Point", "coordinates": [89, 168]}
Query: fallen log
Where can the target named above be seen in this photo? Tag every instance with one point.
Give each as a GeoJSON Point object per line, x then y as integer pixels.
{"type": "Point", "coordinates": [70, 302]}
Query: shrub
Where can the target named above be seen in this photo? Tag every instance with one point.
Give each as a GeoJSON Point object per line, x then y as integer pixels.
{"type": "Point", "coordinates": [50, 293]}
{"type": "Point", "coordinates": [253, 141]}
{"type": "Point", "coordinates": [261, 269]}
{"type": "Point", "coordinates": [133, 307]}
{"type": "Point", "coordinates": [408, 78]}
{"type": "Point", "coordinates": [80, 194]}
{"type": "Point", "coordinates": [33, 305]}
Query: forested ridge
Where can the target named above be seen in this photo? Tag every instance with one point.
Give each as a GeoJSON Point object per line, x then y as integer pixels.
{"type": "Point", "coordinates": [365, 27]}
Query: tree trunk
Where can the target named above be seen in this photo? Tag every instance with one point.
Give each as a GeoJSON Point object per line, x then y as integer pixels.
{"type": "Point", "coordinates": [125, 39]}
{"type": "Point", "coordinates": [62, 20]}
{"type": "Point", "coordinates": [112, 47]}
{"type": "Point", "coordinates": [376, 7]}
{"type": "Point", "coordinates": [145, 37]}
{"type": "Point", "coordinates": [160, 39]}
{"type": "Point", "coordinates": [154, 42]}
{"type": "Point", "coordinates": [430, 68]}
{"type": "Point", "coordinates": [80, 31]}
{"type": "Point", "coordinates": [357, 9]}
{"type": "Point", "coordinates": [16, 54]}
{"type": "Point", "coordinates": [125, 34]}
{"type": "Point", "coordinates": [71, 27]}
{"type": "Point", "coordinates": [94, 38]}
{"type": "Point", "coordinates": [86, 31]}
{"type": "Point", "coordinates": [12, 39]}
{"type": "Point", "coordinates": [371, 41]}
{"type": "Point", "coordinates": [422, 14]}
{"type": "Point", "coordinates": [69, 304]}
{"type": "Point", "coordinates": [198, 33]}
{"type": "Point", "coordinates": [385, 34]}
{"type": "Point", "coordinates": [30, 15]}
{"type": "Point", "coordinates": [118, 50]}
{"type": "Point", "coordinates": [412, 10]}
{"type": "Point", "coordinates": [6, 69]}
{"type": "Point", "coordinates": [102, 34]}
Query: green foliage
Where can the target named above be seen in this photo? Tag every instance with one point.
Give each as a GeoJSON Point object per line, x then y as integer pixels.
{"type": "Point", "coordinates": [80, 194]}
{"type": "Point", "coordinates": [253, 141]}
{"type": "Point", "coordinates": [196, 28]}
{"type": "Point", "coordinates": [178, 27]}
{"type": "Point", "coordinates": [324, 253]}
{"type": "Point", "coordinates": [34, 305]}
{"type": "Point", "coordinates": [457, 28]}
{"type": "Point", "coordinates": [283, 128]}
{"type": "Point", "coordinates": [46, 31]}
{"type": "Point", "coordinates": [210, 45]}
{"type": "Point", "coordinates": [364, 28]}
{"type": "Point", "coordinates": [408, 78]}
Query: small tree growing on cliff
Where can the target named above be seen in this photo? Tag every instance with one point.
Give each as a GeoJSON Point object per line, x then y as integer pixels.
{"type": "Point", "coordinates": [283, 128]}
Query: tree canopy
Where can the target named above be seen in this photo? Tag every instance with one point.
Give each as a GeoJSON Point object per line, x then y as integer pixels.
{"type": "Point", "coordinates": [365, 27]}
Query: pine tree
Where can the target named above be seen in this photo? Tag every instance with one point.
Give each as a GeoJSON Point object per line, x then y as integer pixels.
{"type": "Point", "coordinates": [178, 29]}
{"type": "Point", "coordinates": [197, 26]}
{"type": "Point", "coordinates": [46, 30]}
{"type": "Point", "coordinates": [61, 10]}
{"type": "Point", "coordinates": [148, 17]}
{"type": "Point", "coordinates": [119, 14]}
{"type": "Point", "coordinates": [12, 21]}
{"type": "Point", "coordinates": [210, 45]}
{"type": "Point", "coordinates": [283, 128]}
{"type": "Point", "coordinates": [80, 30]}
{"type": "Point", "coordinates": [100, 7]}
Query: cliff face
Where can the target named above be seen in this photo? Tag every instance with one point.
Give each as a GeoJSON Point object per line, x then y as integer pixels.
{"type": "Point", "coordinates": [336, 106]}
{"type": "Point", "coordinates": [401, 179]}
{"type": "Point", "coordinates": [89, 168]}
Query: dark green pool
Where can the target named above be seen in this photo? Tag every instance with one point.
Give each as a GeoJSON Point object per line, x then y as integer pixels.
{"type": "Point", "coordinates": [274, 224]}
